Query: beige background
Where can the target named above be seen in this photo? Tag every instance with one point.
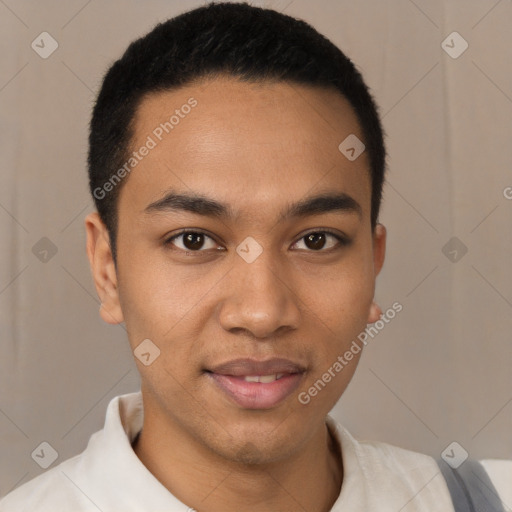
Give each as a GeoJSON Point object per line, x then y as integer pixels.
{"type": "Point", "coordinates": [439, 372]}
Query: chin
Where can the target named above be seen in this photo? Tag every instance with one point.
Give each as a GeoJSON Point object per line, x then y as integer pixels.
{"type": "Point", "coordinates": [257, 454]}
{"type": "Point", "coordinates": [252, 447]}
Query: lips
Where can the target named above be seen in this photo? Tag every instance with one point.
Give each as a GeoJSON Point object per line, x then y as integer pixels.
{"type": "Point", "coordinates": [252, 384]}
{"type": "Point", "coordinates": [243, 367]}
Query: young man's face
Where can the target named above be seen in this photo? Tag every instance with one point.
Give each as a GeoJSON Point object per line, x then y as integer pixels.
{"type": "Point", "coordinates": [220, 311]}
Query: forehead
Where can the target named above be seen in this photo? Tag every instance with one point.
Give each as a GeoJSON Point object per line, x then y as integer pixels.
{"type": "Point", "coordinates": [264, 141]}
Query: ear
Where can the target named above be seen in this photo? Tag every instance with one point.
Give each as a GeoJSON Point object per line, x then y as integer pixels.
{"type": "Point", "coordinates": [103, 269]}
{"type": "Point", "coordinates": [379, 252]}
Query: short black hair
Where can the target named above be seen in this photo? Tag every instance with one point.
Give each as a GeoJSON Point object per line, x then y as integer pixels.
{"type": "Point", "coordinates": [235, 39]}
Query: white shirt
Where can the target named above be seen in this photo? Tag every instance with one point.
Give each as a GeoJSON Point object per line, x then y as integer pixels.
{"type": "Point", "coordinates": [109, 477]}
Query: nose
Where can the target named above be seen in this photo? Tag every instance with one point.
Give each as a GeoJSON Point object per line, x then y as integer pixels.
{"type": "Point", "coordinates": [260, 300]}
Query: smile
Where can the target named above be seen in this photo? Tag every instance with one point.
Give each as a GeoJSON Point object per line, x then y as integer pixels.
{"type": "Point", "coordinates": [265, 379]}
{"type": "Point", "coordinates": [251, 384]}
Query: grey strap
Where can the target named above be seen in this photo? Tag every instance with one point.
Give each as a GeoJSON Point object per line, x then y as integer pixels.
{"type": "Point", "coordinates": [471, 488]}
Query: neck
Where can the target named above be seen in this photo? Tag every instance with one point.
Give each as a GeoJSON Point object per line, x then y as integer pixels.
{"type": "Point", "coordinates": [309, 480]}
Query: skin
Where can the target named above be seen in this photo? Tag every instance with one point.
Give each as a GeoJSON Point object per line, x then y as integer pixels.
{"type": "Point", "coordinates": [257, 147]}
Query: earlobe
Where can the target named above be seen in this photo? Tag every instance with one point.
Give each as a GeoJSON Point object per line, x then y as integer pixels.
{"type": "Point", "coordinates": [103, 269]}
{"type": "Point", "coordinates": [375, 313]}
{"type": "Point", "coordinates": [111, 316]}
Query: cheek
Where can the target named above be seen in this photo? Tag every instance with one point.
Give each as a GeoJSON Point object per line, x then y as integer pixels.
{"type": "Point", "coordinates": [340, 306]}
{"type": "Point", "coordinates": [169, 305]}
{"type": "Point", "coordinates": [342, 296]}
{"type": "Point", "coordinates": [154, 296]}
{"type": "Point", "coordinates": [341, 314]}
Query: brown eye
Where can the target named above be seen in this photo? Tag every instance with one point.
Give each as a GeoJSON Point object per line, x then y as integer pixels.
{"type": "Point", "coordinates": [193, 241]}
{"type": "Point", "coordinates": [319, 241]}
{"type": "Point", "coordinates": [315, 241]}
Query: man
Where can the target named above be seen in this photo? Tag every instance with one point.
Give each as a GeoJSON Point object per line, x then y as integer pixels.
{"type": "Point", "coordinates": [237, 161]}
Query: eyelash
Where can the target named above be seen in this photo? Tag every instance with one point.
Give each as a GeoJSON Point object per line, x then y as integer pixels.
{"type": "Point", "coordinates": [342, 241]}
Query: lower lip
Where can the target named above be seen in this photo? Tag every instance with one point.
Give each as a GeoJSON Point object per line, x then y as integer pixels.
{"type": "Point", "coordinates": [257, 395]}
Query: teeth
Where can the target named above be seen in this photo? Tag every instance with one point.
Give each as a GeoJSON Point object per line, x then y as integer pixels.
{"type": "Point", "coordinates": [264, 379]}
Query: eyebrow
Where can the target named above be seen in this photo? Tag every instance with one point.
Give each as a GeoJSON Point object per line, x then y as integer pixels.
{"type": "Point", "coordinates": [202, 205]}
